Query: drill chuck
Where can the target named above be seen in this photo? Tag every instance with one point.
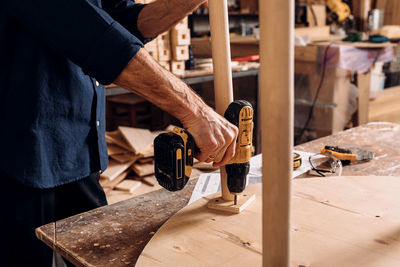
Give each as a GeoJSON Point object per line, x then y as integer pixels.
{"type": "Point", "coordinates": [236, 175]}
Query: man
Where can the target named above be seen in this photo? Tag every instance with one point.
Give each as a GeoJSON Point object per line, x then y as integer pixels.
{"type": "Point", "coordinates": [54, 56]}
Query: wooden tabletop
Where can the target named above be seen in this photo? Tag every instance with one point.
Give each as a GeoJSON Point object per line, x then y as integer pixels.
{"type": "Point", "coordinates": [379, 137]}
{"type": "Point", "coordinates": [116, 234]}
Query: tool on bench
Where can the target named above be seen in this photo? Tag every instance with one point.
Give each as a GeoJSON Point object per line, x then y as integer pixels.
{"type": "Point", "coordinates": [347, 154]}
{"type": "Point", "coordinates": [296, 160]}
{"type": "Point", "coordinates": [174, 152]}
{"type": "Point", "coordinates": [332, 158]}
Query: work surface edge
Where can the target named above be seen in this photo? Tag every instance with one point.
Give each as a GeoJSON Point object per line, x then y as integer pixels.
{"type": "Point", "coordinates": [147, 213]}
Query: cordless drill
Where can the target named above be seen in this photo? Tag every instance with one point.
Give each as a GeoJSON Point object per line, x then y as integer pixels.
{"type": "Point", "coordinates": [174, 151]}
{"type": "Point", "coordinates": [240, 113]}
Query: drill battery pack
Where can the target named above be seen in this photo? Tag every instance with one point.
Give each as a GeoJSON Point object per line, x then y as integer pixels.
{"type": "Point", "coordinates": [173, 158]}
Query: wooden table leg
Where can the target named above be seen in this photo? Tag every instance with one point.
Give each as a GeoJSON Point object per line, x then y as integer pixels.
{"type": "Point", "coordinates": [363, 84]}
{"type": "Point", "coordinates": [276, 105]}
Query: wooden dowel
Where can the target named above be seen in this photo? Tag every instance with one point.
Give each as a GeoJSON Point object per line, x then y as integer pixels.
{"type": "Point", "coordinates": [276, 104]}
{"type": "Point", "coordinates": [221, 54]}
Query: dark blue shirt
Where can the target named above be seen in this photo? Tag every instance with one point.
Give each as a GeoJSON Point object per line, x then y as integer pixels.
{"type": "Point", "coordinates": [54, 56]}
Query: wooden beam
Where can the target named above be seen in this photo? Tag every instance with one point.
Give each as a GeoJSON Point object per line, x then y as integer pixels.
{"type": "Point", "coordinates": [276, 103]}
{"type": "Point", "coordinates": [221, 53]}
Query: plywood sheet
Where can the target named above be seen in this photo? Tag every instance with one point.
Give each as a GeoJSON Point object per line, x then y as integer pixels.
{"type": "Point", "coordinates": [341, 221]}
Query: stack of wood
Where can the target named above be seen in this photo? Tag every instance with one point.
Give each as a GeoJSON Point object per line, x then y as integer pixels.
{"type": "Point", "coordinates": [130, 149]}
{"type": "Point", "coordinates": [171, 48]}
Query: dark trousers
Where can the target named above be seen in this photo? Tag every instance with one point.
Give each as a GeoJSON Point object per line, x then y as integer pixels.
{"type": "Point", "coordinates": [25, 208]}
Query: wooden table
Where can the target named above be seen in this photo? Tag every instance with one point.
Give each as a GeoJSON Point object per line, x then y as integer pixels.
{"type": "Point", "coordinates": [116, 234]}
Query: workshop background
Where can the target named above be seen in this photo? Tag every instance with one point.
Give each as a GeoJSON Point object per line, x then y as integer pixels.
{"type": "Point", "coordinates": [347, 73]}
{"type": "Point", "coordinates": [341, 209]}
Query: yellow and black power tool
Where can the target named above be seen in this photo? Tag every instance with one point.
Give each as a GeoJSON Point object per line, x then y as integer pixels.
{"type": "Point", "coordinates": [173, 158]}
{"type": "Point", "coordinates": [174, 152]}
{"type": "Point", "coordinates": [240, 113]}
{"type": "Point", "coordinates": [296, 160]}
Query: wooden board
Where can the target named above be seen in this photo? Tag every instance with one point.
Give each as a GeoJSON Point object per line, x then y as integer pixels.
{"type": "Point", "coordinates": [143, 169]}
{"type": "Point", "coordinates": [114, 169]}
{"type": "Point", "coordinates": [140, 140]}
{"type": "Point", "coordinates": [128, 185]}
{"type": "Point", "coordinates": [341, 221]}
{"type": "Point", "coordinates": [115, 138]}
{"type": "Point", "coordinates": [122, 158]}
{"type": "Point", "coordinates": [115, 149]}
{"type": "Point", "coordinates": [110, 185]}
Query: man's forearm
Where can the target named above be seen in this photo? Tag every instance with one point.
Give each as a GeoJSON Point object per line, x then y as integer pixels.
{"type": "Point", "coordinates": [159, 16]}
{"type": "Point", "coordinates": [147, 78]}
{"type": "Point", "coordinates": [213, 134]}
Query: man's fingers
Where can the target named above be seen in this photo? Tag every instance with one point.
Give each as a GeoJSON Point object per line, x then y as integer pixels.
{"type": "Point", "coordinates": [206, 149]}
{"type": "Point", "coordinates": [229, 154]}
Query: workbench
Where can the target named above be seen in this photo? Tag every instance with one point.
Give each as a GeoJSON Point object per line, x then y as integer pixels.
{"type": "Point", "coordinates": [116, 234]}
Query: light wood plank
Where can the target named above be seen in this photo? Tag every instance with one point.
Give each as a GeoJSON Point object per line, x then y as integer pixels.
{"type": "Point", "coordinates": [143, 169]}
{"type": "Point", "coordinates": [122, 158]}
{"type": "Point", "coordinates": [115, 149]}
{"type": "Point", "coordinates": [335, 223]}
{"type": "Point", "coordinates": [115, 138]}
{"type": "Point", "coordinates": [108, 185]}
{"type": "Point", "coordinates": [128, 185]}
{"type": "Point", "coordinates": [140, 140]}
{"type": "Point", "coordinates": [114, 169]}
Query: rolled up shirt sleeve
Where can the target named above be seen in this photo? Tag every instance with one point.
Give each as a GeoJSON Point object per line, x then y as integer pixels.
{"type": "Point", "coordinates": [83, 32]}
{"type": "Point", "coordinates": [126, 12]}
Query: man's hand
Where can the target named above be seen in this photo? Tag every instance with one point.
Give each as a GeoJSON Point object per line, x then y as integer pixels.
{"type": "Point", "coordinates": [213, 134]}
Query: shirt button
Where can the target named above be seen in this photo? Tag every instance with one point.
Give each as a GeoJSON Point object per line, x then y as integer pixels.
{"type": "Point", "coordinates": [98, 123]}
{"type": "Point", "coordinates": [97, 83]}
